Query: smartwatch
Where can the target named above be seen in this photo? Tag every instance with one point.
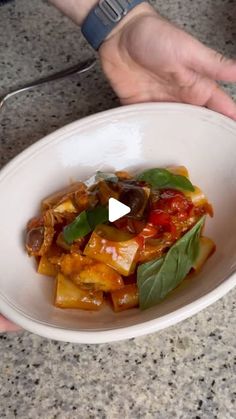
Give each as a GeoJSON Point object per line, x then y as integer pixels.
{"type": "Point", "coordinates": [104, 17]}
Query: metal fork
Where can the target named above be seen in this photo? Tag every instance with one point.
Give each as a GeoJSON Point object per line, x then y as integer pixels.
{"type": "Point", "coordinates": [76, 69]}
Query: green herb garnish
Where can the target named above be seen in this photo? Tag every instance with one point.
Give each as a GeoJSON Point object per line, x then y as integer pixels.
{"type": "Point", "coordinates": [84, 223]}
{"type": "Point", "coordinates": [157, 278]}
{"type": "Point", "coordinates": [163, 179]}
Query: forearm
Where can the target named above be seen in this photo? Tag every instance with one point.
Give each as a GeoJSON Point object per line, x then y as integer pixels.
{"type": "Point", "coordinates": [76, 10]}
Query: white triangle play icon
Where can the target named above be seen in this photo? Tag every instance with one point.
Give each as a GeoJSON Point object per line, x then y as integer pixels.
{"type": "Point", "coordinates": [117, 210]}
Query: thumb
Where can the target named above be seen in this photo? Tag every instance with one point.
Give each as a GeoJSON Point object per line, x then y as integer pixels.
{"type": "Point", "coordinates": [212, 64]}
{"type": "Point", "coordinates": [7, 326]}
{"type": "Point", "coordinates": [219, 101]}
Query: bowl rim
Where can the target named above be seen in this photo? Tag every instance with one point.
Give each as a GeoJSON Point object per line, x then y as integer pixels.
{"type": "Point", "coordinates": [143, 328]}
{"type": "Point", "coordinates": [118, 334]}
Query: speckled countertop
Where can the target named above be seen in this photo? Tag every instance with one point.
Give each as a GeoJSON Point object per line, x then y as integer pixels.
{"type": "Point", "coordinates": [187, 371]}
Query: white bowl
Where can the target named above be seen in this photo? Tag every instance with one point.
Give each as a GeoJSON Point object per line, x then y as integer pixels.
{"type": "Point", "coordinates": [132, 137]}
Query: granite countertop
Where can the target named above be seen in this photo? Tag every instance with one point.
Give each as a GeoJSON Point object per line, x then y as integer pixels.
{"type": "Point", "coordinates": [187, 371]}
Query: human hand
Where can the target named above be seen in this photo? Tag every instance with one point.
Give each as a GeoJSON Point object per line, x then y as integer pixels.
{"type": "Point", "coordinates": [146, 58]}
{"type": "Point", "coordinates": [7, 326]}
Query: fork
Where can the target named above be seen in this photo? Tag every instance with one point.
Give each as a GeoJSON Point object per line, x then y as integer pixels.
{"type": "Point", "coordinates": [76, 69]}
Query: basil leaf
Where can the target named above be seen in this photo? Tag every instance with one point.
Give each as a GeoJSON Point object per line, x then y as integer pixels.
{"type": "Point", "coordinates": [162, 179]}
{"type": "Point", "coordinates": [85, 223]}
{"type": "Point", "coordinates": [96, 216]}
{"type": "Point", "coordinates": [111, 177]}
{"type": "Point", "coordinates": [157, 278]}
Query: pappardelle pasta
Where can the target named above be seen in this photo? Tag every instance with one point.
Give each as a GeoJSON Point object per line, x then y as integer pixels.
{"type": "Point", "coordinates": [135, 261]}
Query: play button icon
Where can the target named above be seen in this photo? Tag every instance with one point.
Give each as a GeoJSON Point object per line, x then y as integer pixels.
{"type": "Point", "coordinates": [117, 210]}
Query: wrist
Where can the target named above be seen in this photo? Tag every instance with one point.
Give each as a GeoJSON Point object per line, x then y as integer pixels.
{"type": "Point", "coordinates": [108, 17]}
{"type": "Point", "coordinates": [76, 10]}
{"type": "Point", "coordinates": [142, 9]}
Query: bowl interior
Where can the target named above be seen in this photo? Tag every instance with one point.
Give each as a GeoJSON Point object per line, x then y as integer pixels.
{"type": "Point", "coordinates": [134, 137]}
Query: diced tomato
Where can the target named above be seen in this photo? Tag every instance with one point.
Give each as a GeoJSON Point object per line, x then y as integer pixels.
{"type": "Point", "coordinates": [162, 220]}
{"type": "Point", "coordinates": [174, 203]}
{"type": "Point", "coordinates": [179, 204]}
{"type": "Point", "coordinates": [159, 218]}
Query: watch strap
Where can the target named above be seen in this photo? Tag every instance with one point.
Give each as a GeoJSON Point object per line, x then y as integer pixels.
{"type": "Point", "coordinates": [104, 17]}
